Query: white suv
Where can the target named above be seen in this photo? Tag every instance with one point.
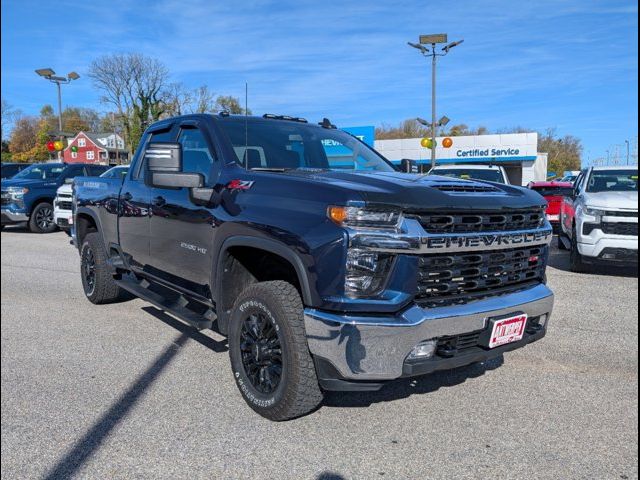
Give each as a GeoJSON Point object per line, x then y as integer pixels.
{"type": "Point", "coordinates": [63, 203]}
{"type": "Point", "coordinates": [600, 219]}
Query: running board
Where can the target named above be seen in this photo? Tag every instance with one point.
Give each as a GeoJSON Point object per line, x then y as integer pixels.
{"type": "Point", "coordinates": [176, 308]}
{"type": "Point", "coordinates": [565, 241]}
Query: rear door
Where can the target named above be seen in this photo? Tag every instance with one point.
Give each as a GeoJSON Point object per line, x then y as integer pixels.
{"type": "Point", "coordinates": [181, 232]}
{"type": "Point", "coordinates": [135, 198]}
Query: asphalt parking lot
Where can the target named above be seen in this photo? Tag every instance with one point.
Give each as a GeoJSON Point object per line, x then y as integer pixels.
{"type": "Point", "coordinates": [124, 391]}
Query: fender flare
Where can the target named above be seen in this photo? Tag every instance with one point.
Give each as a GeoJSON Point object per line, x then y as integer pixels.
{"type": "Point", "coordinates": [90, 213]}
{"type": "Point", "coordinates": [269, 245]}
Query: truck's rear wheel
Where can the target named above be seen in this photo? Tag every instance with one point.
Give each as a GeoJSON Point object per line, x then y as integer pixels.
{"type": "Point", "coordinates": [41, 219]}
{"type": "Point", "coordinates": [269, 353]}
{"type": "Point", "coordinates": [97, 278]}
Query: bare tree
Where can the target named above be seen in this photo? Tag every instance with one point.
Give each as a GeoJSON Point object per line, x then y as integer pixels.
{"type": "Point", "coordinates": [8, 116]}
{"type": "Point", "coordinates": [133, 84]}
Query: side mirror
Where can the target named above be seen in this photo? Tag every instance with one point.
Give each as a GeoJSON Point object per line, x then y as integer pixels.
{"type": "Point", "coordinates": [163, 162]}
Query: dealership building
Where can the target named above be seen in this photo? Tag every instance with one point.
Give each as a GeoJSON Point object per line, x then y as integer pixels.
{"type": "Point", "coordinates": [516, 152]}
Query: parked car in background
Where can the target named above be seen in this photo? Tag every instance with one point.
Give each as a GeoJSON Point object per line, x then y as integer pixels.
{"type": "Point", "coordinates": [554, 193]}
{"type": "Point", "coordinates": [600, 219]}
{"type": "Point", "coordinates": [10, 169]}
{"type": "Point", "coordinates": [28, 196]}
{"type": "Point", "coordinates": [63, 203]}
{"type": "Point", "coordinates": [570, 176]}
{"type": "Point", "coordinates": [489, 173]}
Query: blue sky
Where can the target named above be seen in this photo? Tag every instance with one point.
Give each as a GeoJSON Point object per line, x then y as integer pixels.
{"type": "Point", "coordinates": [571, 65]}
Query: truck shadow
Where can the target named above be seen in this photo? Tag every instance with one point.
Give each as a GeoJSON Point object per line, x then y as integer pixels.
{"type": "Point", "coordinates": [406, 387]}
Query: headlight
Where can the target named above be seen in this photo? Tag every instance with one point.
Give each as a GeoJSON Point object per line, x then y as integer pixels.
{"type": "Point", "coordinates": [17, 193]}
{"type": "Point", "coordinates": [366, 272]}
{"type": "Point", "coordinates": [594, 212]}
{"type": "Point", "coordinates": [357, 217]}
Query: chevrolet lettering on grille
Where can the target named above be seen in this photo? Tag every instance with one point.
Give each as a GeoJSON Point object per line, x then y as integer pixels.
{"type": "Point", "coordinates": [485, 241]}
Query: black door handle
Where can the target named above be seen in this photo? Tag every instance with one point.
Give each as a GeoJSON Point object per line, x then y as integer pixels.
{"type": "Point", "coordinates": [159, 201]}
{"type": "Point", "coordinates": [126, 196]}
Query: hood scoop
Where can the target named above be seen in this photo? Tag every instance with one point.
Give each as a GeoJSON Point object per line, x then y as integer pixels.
{"type": "Point", "coordinates": [460, 188]}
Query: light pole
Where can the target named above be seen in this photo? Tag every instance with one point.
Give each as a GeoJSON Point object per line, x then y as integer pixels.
{"type": "Point", "coordinates": [49, 74]}
{"type": "Point", "coordinates": [434, 40]}
{"type": "Point", "coordinates": [628, 150]}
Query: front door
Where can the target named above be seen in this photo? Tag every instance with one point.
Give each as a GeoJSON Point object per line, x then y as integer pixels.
{"type": "Point", "coordinates": [134, 206]}
{"type": "Point", "coordinates": [181, 233]}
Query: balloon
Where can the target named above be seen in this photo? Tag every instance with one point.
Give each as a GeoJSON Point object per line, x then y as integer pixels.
{"type": "Point", "coordinates": [74, 148]}
{"type": "Point", "coordinates": [50, 146]}
{"type": "Point", "coordinates": [58, 145]}
{"type": "Point", "coordinates": [447, 142]}
{"type": "Point", "coordinates": [426, 142]}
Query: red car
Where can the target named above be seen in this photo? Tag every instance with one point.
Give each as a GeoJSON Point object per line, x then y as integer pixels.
{"type": "Point", "coordinates": [553, 192]}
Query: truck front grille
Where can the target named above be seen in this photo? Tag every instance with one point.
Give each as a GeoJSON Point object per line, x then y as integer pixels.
{"type": "Point", "coordinates": [65, 204]}
{"type": "Point", "coordinates": [613, 228]}
{"type": "Point", "coordinates": [448, 279]}
{"type": "Point", "coordinates": [480, 222]}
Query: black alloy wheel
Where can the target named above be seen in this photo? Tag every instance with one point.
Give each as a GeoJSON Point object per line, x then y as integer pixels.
{"type": "Point", "coordinates": [261, 352]}
{"type": "Point", "coordinates": [41, 220]}
{"type": "Point", "coordinates": [89, 270]}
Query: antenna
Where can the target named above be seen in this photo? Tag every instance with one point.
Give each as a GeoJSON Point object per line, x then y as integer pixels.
{"type": "Point", "coordinates": [246, 125]}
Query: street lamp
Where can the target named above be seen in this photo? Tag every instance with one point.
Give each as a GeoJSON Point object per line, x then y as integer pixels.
{"type": "Point", "coordinates": [434, 40]}
{"type": "Point", "coordinates": [49, 74]}
{"type": "Point", "coordinates": [628, 152]}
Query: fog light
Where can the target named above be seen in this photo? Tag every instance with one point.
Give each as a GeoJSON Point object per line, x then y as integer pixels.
{"type": "Point", "coordinates": [423, 350]}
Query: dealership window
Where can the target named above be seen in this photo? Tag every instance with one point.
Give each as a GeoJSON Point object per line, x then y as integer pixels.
{"type": "Point", "coordinates": [90, 155]}
{"type": "Point", "coordinates": [74, 154]}
{"type": "Point", "coordinates": [82, 142]}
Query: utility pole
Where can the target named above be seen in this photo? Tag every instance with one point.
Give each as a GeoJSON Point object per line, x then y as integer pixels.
{"type": "Point", "coordinates": [433, 40]}
{"type": "Point", "coordinates": [49, 74]}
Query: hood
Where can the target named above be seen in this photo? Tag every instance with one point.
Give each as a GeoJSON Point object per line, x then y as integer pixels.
{"type": "Point", "coordinates": [615, 200]}
{"type": "Point", "coordinates": [426, 192]}
{"type": "Point", "coordinates": [30, 183]}
{"type": "Point", "coordinates": [65, 189]}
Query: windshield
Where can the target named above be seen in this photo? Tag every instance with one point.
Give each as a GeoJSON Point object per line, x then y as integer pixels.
{"type": "Point", "coordinates": [281, 144]}
{"type": "Point", "coordinates": [613, 181]}
{"type": "Point", "coordinates": [115, 172]}
{"type": "Point", "coordinates": [45, 171]}
{"type": "Point", "coordinates": [471, 173]}
{"type": "Point", "coordinates": [553, 191]}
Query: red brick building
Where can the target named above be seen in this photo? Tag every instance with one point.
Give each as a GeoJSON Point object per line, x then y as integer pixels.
{"type": "Point", "coordinates": [102, 148]}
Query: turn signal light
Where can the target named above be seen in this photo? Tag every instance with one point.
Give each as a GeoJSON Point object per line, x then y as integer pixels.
{"type": "Point", "coordinates": [337, 214]}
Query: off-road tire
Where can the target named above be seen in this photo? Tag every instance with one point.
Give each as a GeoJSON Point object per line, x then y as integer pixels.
{"type": "Point", "coordinates": [103, 288]}
{"type": "Point", "coordinates": [41, 219]}
{"type": "Point", "coordinates": [297, 392]}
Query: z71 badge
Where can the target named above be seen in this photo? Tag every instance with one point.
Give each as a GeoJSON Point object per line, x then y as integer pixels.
{"type": "Point", "coordinates": [240, 184]}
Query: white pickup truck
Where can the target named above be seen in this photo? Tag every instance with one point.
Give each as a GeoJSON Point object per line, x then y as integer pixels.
{"type": "Point", "coordinates": [489, 173]}
{"type": "Point", "coordinates": [600, 219]}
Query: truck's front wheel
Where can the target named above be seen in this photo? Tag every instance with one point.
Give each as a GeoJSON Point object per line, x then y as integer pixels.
{"type": "Point", "coordinates": [97, 279]}
{"type": "Point", "coordinates": [269, 354]}
{"type": "Point", "coordinates": [575, 259]}
{"type": "Point", "coordinates": [41, 220]}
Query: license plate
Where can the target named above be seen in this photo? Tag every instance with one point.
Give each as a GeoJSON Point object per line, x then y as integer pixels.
{"type": "Point", "coordinates": [553, 218]}
{"type": "Point", "coordinates": [507, 330]}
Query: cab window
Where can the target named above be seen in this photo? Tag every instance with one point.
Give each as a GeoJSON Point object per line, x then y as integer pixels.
{"type": "Point", "coordinates": [196, 156]}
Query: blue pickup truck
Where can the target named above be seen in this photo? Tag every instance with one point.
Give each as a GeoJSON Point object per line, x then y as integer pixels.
{"type": "Point", "coordinates": [28, 196]}
{"type": "Point", "coordinates": [326, 267]}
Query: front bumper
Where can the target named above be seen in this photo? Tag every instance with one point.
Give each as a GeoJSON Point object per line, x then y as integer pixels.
{"type": "Point", "coordinates": [10, 216]}
{"type": "Point", "coordinates": [63, 218]}
{"type": "Point", "coordinates": [375, 348]}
